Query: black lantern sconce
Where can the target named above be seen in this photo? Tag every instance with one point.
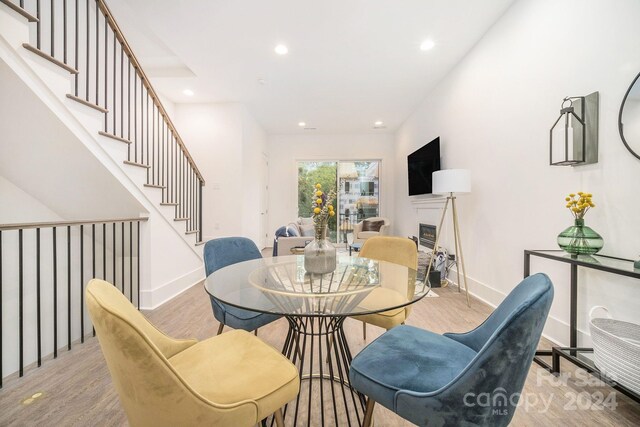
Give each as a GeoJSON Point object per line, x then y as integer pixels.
{"type": "Point", "coordinates": [573, 138]}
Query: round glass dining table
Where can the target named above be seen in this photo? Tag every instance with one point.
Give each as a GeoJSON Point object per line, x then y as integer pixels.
{"type": "Point", "coordinates": [316, 306]}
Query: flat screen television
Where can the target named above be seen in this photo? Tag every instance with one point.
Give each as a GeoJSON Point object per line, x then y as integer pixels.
{"type": "Point", "coordinates": [421, 164]}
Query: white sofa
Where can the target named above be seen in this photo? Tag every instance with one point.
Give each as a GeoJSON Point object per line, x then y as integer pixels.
{"type": "Point", "coordinates": [305, 233]}
{"type": "Point", "coordinates": [360, 236]}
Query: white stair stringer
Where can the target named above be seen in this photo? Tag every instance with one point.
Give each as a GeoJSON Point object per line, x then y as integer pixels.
{"type": "Point", "coordinates": [171, 261]}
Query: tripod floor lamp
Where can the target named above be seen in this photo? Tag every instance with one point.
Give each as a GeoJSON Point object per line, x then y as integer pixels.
{"type": "Point", "coordinates": [450, 182]}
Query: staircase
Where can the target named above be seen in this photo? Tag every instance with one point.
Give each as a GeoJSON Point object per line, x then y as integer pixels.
{"type": "Point", "coordinates": [72, 62]}
{"type": "Point", "coordinates": [82, 39]}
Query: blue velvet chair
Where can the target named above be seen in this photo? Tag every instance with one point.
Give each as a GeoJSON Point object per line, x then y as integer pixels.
{"type": "Point", "coordinates": [219, 253]}
{"type": "Point", "coordinates": [471, 379]}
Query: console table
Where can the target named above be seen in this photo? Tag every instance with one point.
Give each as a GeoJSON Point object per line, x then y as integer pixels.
{"type": "Point", "coordinates": [573, 353]}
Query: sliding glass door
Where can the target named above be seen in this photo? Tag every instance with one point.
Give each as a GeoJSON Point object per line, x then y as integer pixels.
{"type": "Point", "coordinates": [359, 194]}
{"type": "Point", "coordinates": [311, 173]}
{"type": "Point", "coordinates": [357, 185]}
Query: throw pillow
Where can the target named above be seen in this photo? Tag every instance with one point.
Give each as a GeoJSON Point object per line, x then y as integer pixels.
{"type": "Point", "coordinates": [372, 225]}
{"type": "Point", "coordinates": [292, 230]}
{"type": "Point", "coordinates": [307, 230]}
{"type": "Point", "coordinates": [305, 221]}
{"type": "Point", "coordinates": [281, 232]}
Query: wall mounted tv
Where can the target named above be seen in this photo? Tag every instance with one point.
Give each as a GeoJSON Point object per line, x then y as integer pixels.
{"type": "Point", "coordinates": [421, 164]}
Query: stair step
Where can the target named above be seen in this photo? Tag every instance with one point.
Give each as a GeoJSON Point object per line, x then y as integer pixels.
{"type": "Point", "coordinates": [87, 103]}
{"type": "Point", "coordinates": [155, 186]}
{"type": "Point", "coordinates": [181, 219]}
{"type": "Point", "coordinates": [192, 232]}
{"type": "Point", "coordinates": [20, 10]}
{"type": "Point", "coordinates": [168, 204]}
{"type": "Point", "coordinates": [140, 165]}
{"type": "Point", "coordinates": [49, 58]}
{"type": "Point", "coordinates": [116, 137]}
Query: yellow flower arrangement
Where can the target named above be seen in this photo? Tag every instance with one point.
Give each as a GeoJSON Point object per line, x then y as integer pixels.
{"type": "Point", "coordinates": [579, 204]}
{"type": "Point", "coordinates": [322, 205]}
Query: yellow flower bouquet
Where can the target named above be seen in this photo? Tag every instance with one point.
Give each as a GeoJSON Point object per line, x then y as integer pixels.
{"type": "Point", "coordinates": [579, 204]}
{"type": "Point", "coordinates": [580, 239]}
{"type": "Point", "coordinates": [322, 206]}
{"type": "Point", "coordinates": [320, 254]}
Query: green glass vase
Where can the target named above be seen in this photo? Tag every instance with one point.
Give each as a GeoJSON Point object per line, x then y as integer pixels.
{"type": "Point", "coordinates": [580, 239]}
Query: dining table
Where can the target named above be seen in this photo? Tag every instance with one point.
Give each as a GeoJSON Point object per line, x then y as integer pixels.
{"type": "Point", "coordinates": [316, 307]}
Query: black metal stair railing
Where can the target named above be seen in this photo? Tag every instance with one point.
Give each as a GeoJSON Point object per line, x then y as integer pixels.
{"type": "Point", "coordinates": [48, 266]}
{"type": "Point", "coordinates": [83, 37]}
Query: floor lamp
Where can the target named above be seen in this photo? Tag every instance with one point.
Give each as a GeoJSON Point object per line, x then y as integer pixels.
{"type": "Point", "coordinates": [450, 182]}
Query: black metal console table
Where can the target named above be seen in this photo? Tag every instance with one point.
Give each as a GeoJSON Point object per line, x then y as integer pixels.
{"type": "Point", "coordinates": [573, 353]}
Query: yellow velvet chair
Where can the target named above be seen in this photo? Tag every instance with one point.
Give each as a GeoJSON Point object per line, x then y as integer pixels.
{"type": "Point", "coordinates": [233, 379]}
{"type": "Point", "coordinates": [398, 250]}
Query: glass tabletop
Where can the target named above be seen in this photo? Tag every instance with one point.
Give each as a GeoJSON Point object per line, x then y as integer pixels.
{"type": "Point", "coordinates": [280, 285]}
{"type": "Point", "coordinates": [597, 261]}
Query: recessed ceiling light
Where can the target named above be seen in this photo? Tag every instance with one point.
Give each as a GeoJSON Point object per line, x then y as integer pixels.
{"type": "Point", "coordinates": [378, 123]}
{"type": "Point", "coordinates": [302, 124]}
{"type": "Point", "coordinates": [427, 45]}
{"type": "Point", "coordinates": [281, 49]}
{"type": "Point", "coordinates": [188, 92]}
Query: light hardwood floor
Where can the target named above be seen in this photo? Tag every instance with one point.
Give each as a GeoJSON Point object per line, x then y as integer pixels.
{"type": "Point", "coordinates": [77, 389]}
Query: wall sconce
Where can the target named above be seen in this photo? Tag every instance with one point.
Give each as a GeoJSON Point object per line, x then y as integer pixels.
{"type": "Point", "coordinates": [575, 141]}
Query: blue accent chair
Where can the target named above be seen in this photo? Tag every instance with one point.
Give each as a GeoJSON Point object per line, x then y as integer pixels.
{"type": "Point", "coordinates": [471, 379]}
{"type": "Point", "coordinates": [219, 253]}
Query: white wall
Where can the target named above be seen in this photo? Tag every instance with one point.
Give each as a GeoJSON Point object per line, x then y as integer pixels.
{"type": "Point", "coordinates": [493, 113]}
{"type": "Point", "coordinates": [18, 206]}
{"type": "Point", "coordinates": [227, 145]}
{"type": "Point", "coordinates": [49, 163]}
{"type": "Point", "coordinates": [286, 150]}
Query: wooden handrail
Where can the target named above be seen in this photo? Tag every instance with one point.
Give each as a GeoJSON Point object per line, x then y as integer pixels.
{"type": "Point", "coordinates": [145, 80]}
{"type": "Point", "coordinates": [28, 225]}
{"type": "Point", "coordinates": [20, 10]}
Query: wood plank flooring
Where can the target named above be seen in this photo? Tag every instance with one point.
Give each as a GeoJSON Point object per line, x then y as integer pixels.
{"type": "Point", "coordinates": [77, 389]}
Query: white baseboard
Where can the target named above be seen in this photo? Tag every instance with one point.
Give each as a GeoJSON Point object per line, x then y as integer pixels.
{"type": "Point", "coordinates": [554, 329]}
{"type": "Point", "coordinates": [151, 299]}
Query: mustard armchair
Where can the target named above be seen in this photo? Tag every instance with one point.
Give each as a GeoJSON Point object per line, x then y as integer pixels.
{"type": "Point", "coordinates": [233, 379]}
{"type": "Point", "coordinates": [397, 250]}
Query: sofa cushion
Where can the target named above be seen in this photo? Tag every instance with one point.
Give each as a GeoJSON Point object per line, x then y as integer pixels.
{"type": "Point", "coordinates": [307, 230]}
{"type": "Point", "coordinates": [305, 221]}
{"type": "Point", "coordinates": [372, 225]}
{"type": "Point", "coordinates": [367, 234]}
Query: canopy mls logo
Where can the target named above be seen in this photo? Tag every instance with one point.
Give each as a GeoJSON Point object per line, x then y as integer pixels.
{"type": "Point", "coordinates": [502, 402]}
{"type": "Point", "coordinates": [498, 400]}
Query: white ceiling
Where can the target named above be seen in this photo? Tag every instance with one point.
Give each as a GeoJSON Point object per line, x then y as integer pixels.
{"type": "Point", "coordinates": [350, 63]}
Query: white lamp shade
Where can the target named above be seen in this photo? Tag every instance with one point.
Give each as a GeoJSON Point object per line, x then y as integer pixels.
{"type": "Point", "coordinates": [451, 181]}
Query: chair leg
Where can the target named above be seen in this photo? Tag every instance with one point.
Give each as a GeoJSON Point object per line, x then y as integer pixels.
{"type": "Point", "coordinates": [220, 328]}
{"type": "Point", "coordinates": [329, 349]}
{"type": "Point", "coordinates": [368, 414]}
{"type": "Point", "coordinates": [255, 332]}
{"type": "Point", "coordinates": [278, 417]}
{"type": "Point", "coordinates": [364, 331]}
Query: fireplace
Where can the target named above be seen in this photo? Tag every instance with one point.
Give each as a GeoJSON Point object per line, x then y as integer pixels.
{"type": "Point", "coordinates": [427, 235]}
